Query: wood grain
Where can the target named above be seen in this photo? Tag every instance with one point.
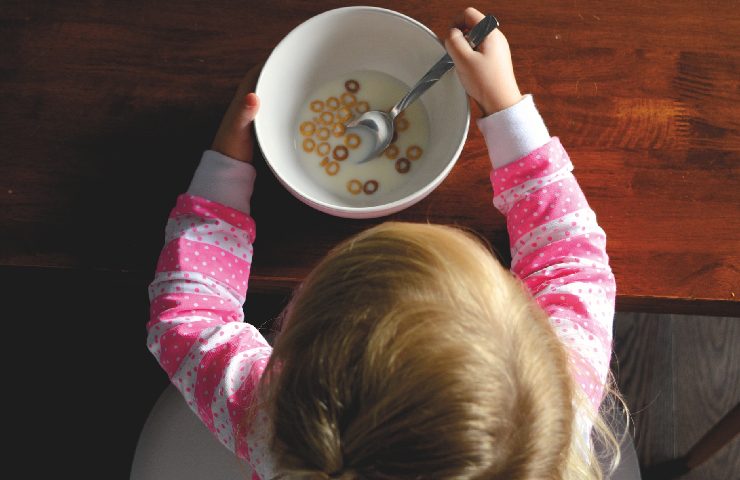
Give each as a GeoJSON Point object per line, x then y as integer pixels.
{"type": "Point", "coordinates": [680, 375]}
{"type": "Point", "coordinates": [642, 363]}
{"type": "Point", "coordinates": [710, 361]}
{"type": "Point", "coordinates": [107, 107]}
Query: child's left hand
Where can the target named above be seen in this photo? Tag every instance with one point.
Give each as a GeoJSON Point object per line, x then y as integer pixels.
{"type": "Point", "coordinates": [235, 137]}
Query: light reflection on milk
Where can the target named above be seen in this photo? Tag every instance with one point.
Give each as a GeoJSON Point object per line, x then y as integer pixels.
{"type": "Point", "coordinates": [381, 91]}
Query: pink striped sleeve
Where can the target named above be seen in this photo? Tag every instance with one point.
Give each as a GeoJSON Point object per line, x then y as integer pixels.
{"type": "Point", "coordinates": [559, 252]}
{"type": "Point", "coordinates": [196, 330]}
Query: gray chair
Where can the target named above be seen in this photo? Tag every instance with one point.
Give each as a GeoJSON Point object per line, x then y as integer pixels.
{"type": "Point", "coordinates": [175, 445]}
{"type": "Point", "coordinates": [629, 467]}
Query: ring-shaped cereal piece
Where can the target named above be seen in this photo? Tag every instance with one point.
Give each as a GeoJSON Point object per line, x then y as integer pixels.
{"type": "Point", "coordinates": [348, 99]}
{"type": "Point", "coordinates": [307, 129]}
{"type": "Point", "coordinates": [352, 140]}
{"type": "Point", "coordinates": [344, 114]}
{"type": "Point", "coordinates": [338, 129]}
{"type": "Point", "coordinates": [402, 124]}
{"type": "Point", "coordinates": [352, 86]}
{"type": "Point", "coordinates": [333, 103]}
{"type": "Point", "coordinates": [317, 106]}
{"type": "Point", "coordinates": [354, 186]}
{"type": "Point", "coordinates": [370, 187]}
{"type": "Point", "coordinates": [323, 133]}
{"type": "Point", "coordinates": [308, 145]}
{"type": "Point", "coordinates": [391, 152]}
{"type": "Point", "coordinates": [340, 153]}
{"type": "Point", "coordinates": [362, 107]}
{"type": "Point", "coordinates": [414, 152]}
{"type": "Point", "coordinates": [323, 149]}
{"type": "Point", "coordinates": [327, 118]}
{"type": "Point", "coordinates": [331, 168]}
{"type": "Point", "coordinates": [403, 165]}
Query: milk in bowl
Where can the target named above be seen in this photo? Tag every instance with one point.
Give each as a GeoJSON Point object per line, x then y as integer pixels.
{"type": "Point", "coordinates": [327, 151]}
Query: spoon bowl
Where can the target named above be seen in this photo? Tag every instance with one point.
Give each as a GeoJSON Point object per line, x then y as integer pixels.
{"type": "Point", "coordinates": [378, 125]}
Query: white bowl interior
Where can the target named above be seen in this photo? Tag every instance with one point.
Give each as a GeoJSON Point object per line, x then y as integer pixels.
{"type": "Point", "coordinates": [338, 42]}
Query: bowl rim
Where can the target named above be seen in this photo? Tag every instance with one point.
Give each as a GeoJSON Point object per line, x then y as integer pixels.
{"type": "Point", "coordinates": [367, 211]}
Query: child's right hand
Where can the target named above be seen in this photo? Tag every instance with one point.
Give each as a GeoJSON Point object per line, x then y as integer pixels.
{"type": "Point", "coordinates": [487, 74]}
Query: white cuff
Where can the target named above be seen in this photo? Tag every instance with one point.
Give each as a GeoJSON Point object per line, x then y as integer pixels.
{"type": "Point", "coordinates": [513, 133]}
{"type": "Point", "coordinates": [224, 180]}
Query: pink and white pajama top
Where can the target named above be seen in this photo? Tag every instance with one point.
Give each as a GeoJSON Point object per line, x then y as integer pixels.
{"type": "Point", "coordinates": [197, 331]}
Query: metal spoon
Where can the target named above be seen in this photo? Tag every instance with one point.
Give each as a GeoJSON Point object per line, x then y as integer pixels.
{"type": "Point", "coordinates": [379, 124]}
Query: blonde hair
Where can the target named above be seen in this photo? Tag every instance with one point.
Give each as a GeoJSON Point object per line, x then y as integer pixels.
{"type": "Point", "coordinates": [411, 352]}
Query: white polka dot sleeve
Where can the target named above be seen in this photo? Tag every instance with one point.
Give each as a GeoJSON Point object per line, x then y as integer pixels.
{"type": "Point", "coordinates": [196, 330]}
{"type": "Point", "coordinates": [559, 252]}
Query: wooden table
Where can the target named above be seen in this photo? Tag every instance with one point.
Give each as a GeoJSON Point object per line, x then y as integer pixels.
{"type": "Point", "coordinates": [107, 106]}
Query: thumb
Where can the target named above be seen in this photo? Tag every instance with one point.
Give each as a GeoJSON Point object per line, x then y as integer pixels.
{"type": "Point", "coordinates": [458, 47]}
{"type": "Point", "coordinates": [249, 110]}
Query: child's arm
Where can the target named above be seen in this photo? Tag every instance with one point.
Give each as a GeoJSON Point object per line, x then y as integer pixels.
{"type": "Point", "coordinates": [558, 249]}
{"type": "Point", "coordinates": [196, 331]}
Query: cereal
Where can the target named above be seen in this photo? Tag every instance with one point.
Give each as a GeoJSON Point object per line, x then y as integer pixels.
{"type": "Point", "coordinates": [340, 153]}
{"type": "Point", "coordinates": [317, 106]}
{"type": "Point", "coordinates": [352, 86]}
{"type": "Point", "coordinates": [332, 168]}
{"type": "Point", "coordinates": [344, 114]}
{"type": "Point", "coordinates": [403, 165]}
{"type": "Point", "coordinates": [414, 152]}
{"type": "Point", "coordinates": [333, 103]}
{"type": "Point", "coordinates": [370, 187]}
{"type": "Point", "coordinates": [323, 149]}
{"type": "Point", "coordinates": [354, 186]}
{"type": "Point", "coordinates": [362, 107]}
{"type": "Point", "coordinates": [327, 118]}
{"type": "Point", "coordinates": [402, 124]}
{"type": "Point", "coordinates": [348, 99]}
{"type": "Point", "coordinates": [307, 129]}
{"type": "Point", "coordinates": [352, 140]}
{"type": "Point", "coordinates": [308, 145]}
{"type": "Point", "coordinates": [323, 133]}
{"type": "Point", "coordinates": [338, 129]}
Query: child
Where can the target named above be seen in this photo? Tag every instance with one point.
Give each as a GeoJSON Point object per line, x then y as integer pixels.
{"type": "Point", "coordinates": [409, 352]}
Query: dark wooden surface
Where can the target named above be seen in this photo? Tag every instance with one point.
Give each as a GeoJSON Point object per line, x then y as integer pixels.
{"type": "Point", "coordinates": [107, 106]}
{"type": "Point", "coordinates": [680, 374]}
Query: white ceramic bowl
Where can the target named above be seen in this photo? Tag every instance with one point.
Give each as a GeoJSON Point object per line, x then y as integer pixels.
{"type": "Point", "coordinates": [342, 41]}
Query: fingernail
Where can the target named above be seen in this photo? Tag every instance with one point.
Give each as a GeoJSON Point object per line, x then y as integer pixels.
{"type": "Point", "coordinates": [251, 100]}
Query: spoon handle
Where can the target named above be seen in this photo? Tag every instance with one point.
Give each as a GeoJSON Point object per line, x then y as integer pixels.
{"type": "Point", "coordinates": [476, 35]}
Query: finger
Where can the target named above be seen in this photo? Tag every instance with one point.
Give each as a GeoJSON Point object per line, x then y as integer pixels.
{"type": "Point", "coordinates": [467, 19]}
{"type": "Point", "coordinates": [251, 107]}
{"type": "Point", "coordinates": [457, 46]}
{"type": "Point", "coordinates": [471, 17]}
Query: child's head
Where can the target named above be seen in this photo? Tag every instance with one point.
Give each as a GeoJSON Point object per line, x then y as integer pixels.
{"type": "Point", "coordinates": [410, 352]}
